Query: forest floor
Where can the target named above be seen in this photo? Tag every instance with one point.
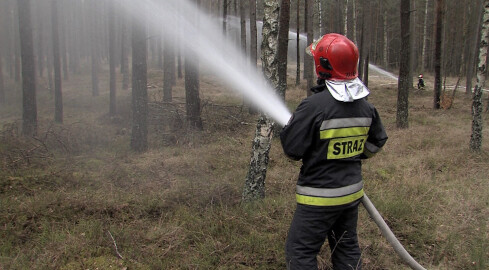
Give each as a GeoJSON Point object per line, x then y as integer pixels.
{"type": "Point", "coordinates": [77, 197]}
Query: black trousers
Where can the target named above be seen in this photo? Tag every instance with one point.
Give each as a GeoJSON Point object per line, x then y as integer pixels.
{"type": "Point", "coordinates": [309, 228]}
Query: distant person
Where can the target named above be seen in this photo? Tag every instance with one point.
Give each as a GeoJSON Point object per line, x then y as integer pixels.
{"type": "Point", "coordinates": [420, 81]}
{"type": "Point", "coordinates": [331, 131]}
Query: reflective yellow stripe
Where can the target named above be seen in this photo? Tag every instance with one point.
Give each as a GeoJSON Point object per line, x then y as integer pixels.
{"type": "Point", "coordinates": [343, 132]}
{"type": "Point", "coordinates": [321, 201]}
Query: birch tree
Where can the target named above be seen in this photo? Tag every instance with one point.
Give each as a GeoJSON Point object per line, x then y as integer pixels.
{"type": "Point", "coordinates": [477, 121]}
{"type": "Point", "coordinates": [254, 188]}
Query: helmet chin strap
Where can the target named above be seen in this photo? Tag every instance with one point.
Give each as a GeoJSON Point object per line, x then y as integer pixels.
{"type": "Point", "coordinates": [320, 87]}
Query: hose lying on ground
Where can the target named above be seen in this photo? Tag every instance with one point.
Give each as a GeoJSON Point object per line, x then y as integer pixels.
{"type": "Point", "coordinates": [386, 231]}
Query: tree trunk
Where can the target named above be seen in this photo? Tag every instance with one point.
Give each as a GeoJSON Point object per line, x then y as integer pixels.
{"type": "Point", "coordinates": [283, 46]}
{"type": "Point", "coordinates": [298, 68]}
{"type": "Point", "coordinates": [62, 41]}
{"type": "Point", "coordinates": [472, 50]}
{"type": "Point", "coordinates": [425, 37]}
{"type": "Point", "coordinates": [58, 90]}
{"type": "Point", "coordinates": [254, 188]}
{"type": "Point", "coordinates": [404, 69]}
{"type": "Point", "coordinates": [253, 33]}
{"type": "Point", "coordinates": [2, 88]}
{"type": "Point", "coordinates": [242, 15]}
{"type": "Point", "coordinates": [192, 86]}
{"type": "Point", "coordinates": [139, 137]}
{"type": "Point", "coordinates": [168, 66]}
{"type": "Point", "coordinates": [29, 112]}
{"type": "Point", "coordinates": [345, 19]}
{"type": "Point", "coordinates": [94, 57]}
{"type": "Point", "coordinates": [354, 18]}
{"type": "Point", "coordinates": [112, 60]}
{"type": "Point", "coordinates": [308, 60]}
{"type": "Point", "coordinates": [438, 53]}
{"type": "Point", "coordinates": [477, 121]}
{"type": "Point", "coordinates": [386, 44]}
{"type": "Point", "coordinates": [224, 16]}
{"type": "Point", "coordinates": [125, 53]}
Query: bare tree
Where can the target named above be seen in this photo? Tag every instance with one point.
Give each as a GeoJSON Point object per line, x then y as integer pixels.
{"type": "Point", "coordinates": [438, 53]}
{"type": "Point", "coordinates": [29, 103]}
{"type": "Point", "coordinates": [404, 84]}
{"type": "Point", "coordinates": [477, 121]}
{"type": "Point", "coordinates": [139, 137]}
{"type": "Point", "coordinates": [254, 188]}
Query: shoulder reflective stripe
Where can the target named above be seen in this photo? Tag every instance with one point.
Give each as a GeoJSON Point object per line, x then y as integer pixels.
{"type": "Point", "coordinates": [330, 192]}
{"type": "Point", "coordinates": [371, 147]}
{"type": "Point", "coordinates": [346, 122]}
{"type": "Point", "coordinates": [320, 201]}
{"type": "Point", "coordinates": [343, 132]}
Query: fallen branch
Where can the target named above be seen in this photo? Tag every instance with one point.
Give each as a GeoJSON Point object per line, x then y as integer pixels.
{"type": "Point", "coordinates": [115, 246]}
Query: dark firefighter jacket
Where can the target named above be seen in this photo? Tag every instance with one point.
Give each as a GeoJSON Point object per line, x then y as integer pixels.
{"type": "Point", "coordinates": [331, 137]}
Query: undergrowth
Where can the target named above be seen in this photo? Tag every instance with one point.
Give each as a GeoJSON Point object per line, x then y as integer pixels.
{"type": "Point", "coordinates": [76, 197]}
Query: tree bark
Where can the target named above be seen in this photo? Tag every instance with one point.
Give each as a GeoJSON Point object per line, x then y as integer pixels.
{"type": "Point", "coordinates": [283, 46]}
{"type": "Point", "coordinates": [254, 188]}
{"type": "Point", "coordinates": [29, 112]}
{"type": "Point", "coordinates": [477, 121]}
{"type": "Point", "coordinates": [425, 37]}
{"type": "Point", "coordinates": [58, 90]}
{"type": "Point", "coordinates": [139, 137]}
{"type": "Point", "coordinates": [404, 69]}
{"type": "Point", "coordinates": [438, 53]}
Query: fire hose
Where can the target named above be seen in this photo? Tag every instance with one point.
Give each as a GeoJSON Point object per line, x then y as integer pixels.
{"type": "Point", "coordinates": [387, 233]}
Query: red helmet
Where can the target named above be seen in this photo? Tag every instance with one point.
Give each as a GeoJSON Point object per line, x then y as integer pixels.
{"type": "Point", "coordinates": [335, 57]}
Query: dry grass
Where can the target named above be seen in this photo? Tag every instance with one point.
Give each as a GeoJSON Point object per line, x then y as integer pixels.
{"type": "Point", "coordinates": [177, 206]}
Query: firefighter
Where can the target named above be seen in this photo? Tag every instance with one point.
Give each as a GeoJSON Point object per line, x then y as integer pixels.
{"type": "Point", "coordinates": [420, 81]}
{"type": "Point", "coordinates": [331, 131]}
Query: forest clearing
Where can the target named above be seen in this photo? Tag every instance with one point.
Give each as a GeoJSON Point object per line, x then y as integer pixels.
{"type": "Point", "coordinates": [145, 134]}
